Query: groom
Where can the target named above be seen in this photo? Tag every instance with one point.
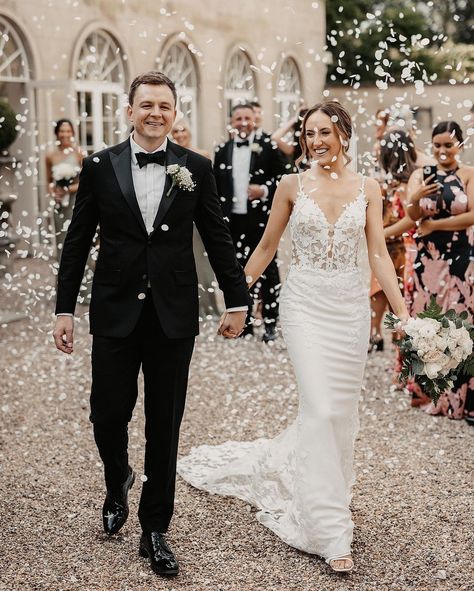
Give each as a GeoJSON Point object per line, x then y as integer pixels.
{"type": "Point", "coordinates": [145, 194]}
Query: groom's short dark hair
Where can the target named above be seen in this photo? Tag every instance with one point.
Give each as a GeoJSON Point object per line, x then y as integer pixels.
{"type": "Point", "coordinates": [152, 77]}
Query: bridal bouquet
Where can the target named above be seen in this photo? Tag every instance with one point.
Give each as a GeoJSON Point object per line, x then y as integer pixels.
{"type": "Point", "coordinates": [64, 173]}
{"type": "Point", "coordinates": [436, 347]}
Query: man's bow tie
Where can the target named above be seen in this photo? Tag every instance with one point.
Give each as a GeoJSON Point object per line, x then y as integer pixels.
{"type": "Point", "coordinates": [242, 143]}
{"type": "Point", "coordinates": [156, 157]}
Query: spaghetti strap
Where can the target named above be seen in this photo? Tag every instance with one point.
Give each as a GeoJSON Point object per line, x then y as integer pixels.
{"type": "Point", "coordinates": [362, 183]}
{"type": "Point", "coordinates": [300, 186]}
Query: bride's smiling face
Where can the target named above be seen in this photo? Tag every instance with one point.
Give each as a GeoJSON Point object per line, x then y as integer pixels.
{"type": "Point", "coordinates": [322, 139]}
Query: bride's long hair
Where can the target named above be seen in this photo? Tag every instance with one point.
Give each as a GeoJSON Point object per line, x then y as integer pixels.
{"type": "Point", "coordinates": [340, 119]}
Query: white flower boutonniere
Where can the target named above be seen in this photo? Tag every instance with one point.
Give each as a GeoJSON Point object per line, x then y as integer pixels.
{"type": "Point", "coordinates": [180, 177]}
{"type": "Point", "coordinates": [256, 147]}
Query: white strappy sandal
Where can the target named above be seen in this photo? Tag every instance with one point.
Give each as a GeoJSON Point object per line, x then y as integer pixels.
{"type": "Point", "coordinates": [347, 558]}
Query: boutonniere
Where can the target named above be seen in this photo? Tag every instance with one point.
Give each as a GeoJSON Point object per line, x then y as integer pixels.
{"type": "Point", "coordinates": [256, 147]}
{"type": "Point", "coordinates": [180, 177]}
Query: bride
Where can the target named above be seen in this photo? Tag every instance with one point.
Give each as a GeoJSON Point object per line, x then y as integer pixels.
{"type": "Point", "coordinates": [301, 480]}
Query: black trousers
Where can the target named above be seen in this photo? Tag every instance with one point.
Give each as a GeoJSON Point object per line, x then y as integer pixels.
{"type": "Point", "coordinates": [246, 237]}
{"type": "Point", "coordinates": [116, 364]}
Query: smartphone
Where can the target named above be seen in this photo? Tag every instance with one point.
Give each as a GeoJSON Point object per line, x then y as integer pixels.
{"type": "Point", "coordinates": [429, 171]}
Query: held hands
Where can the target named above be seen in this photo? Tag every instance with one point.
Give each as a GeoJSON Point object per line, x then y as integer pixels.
{"type": "Point", "coordinates": [232, 324]}
{"type": "Point", "coordinates": [63, 334]}
{"type": "Point", "coordinates": [255, 192]}
{"type": "Point", "coordinates": [399, 327]}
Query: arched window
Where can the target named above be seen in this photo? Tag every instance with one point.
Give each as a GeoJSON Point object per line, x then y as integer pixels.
{"type": "Point", "coordinates": [14, 65]}
{"type": "Point", "coordinates": [288, 92]}
{"type": "Point", "coordinates": [100, 79]}
{"type": "Point", "coordinates": [240, 82]}
{"type": "Point", "coordinates": [178, 64]}
{"type": "Point", "coordinates": [100, 59]}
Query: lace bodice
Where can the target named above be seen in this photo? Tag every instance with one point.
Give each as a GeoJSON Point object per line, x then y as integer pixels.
{"type": "Point", "coordinates": [317, 244]}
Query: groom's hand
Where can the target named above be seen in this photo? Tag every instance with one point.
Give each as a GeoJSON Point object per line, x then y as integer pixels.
{"type": "Point", "coordinates": [232, 324]}
{"type": "Point", "coordinates": [63, 333]}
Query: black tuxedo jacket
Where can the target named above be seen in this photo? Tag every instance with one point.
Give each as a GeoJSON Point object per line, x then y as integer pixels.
{"type": "Point", "coordinates": [267, 165]}
{"type": "Point", "coordinates": [129, 258]}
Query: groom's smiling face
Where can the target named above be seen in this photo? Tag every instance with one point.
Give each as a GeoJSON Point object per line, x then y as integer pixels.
{"type": "Point", "coordinates": [152, 115]}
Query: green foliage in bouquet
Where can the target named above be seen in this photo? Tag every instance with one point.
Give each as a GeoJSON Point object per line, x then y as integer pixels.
{"type": "Point", "coordinates": [8, 130]}
{"type": "Point", "coordinates": [413, 366]}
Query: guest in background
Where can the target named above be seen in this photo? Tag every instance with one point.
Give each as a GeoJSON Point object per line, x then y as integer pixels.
{"type": "Point", "coordinates": [397, 158]}
{"type": "Point", "coordinates": [63, 165]}
{"type": "Point", "coordinates": [401, 117]}
{"type": "Point", "coordinates": [443, 206]}
{"type": "Point", "coordinates": [181, 134]}
{"type": "Point", "coordinates": [287, 138]}
{"type": "Point", "coordinates": [381, 120]}
{"type": "Point", "coordinates": [247, 169]}
{"type": "Point", "coordinates": [258, 117]}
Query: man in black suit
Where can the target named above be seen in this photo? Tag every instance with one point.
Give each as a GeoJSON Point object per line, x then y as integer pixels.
{"type": "Point", "coordinates": [145, 194]}
{"type": "Point", "coordinates": [247, 169]}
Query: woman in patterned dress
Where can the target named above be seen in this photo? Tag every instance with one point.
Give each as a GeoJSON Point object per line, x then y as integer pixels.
{"type": "Point", "coordinates": [443, 206]}
{"type": "Point", "coordinates": [397, 158]}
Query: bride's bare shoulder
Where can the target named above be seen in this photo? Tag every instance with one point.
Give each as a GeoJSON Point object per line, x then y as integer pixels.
{"type": "Point", "coordinates": [288, 181]}
{"type": "Point", "coordinates": [288, 188]}
{"type": "Point", "coordinates": [372, 189]}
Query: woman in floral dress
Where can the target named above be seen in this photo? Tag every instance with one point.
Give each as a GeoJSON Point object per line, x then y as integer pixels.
{"type": "Point", "coordinates": [397, 158]}
{"type": "Point", "coordinates": [443, 206]}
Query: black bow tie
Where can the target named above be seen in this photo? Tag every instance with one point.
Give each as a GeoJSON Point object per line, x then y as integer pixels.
{"type": "Point", "coordinates": [156, 157]}
{"type": "Point", "coordinates": [242, 143]}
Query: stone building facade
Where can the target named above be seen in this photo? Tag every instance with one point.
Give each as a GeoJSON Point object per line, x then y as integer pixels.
{"type": "Point", "coordinates": [76, 58]}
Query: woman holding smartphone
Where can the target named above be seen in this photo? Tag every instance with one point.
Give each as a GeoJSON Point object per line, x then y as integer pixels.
{"type": "Point", "coordinates": [441, 201]}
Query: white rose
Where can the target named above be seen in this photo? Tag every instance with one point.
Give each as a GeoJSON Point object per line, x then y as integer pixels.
{"type": "Point", "coordinates": [432, 370]}
{"type": "Point", "coordinates": [422, 344]}
{"type": "Point", "coordinates": [452, 363]}
{"type": "Point", "coordinates": [413, 326]}
{"type": "Point", "coordinates": [439, 342]}
{"type": "Point", "coordinates": [434, 356]}
{"type": "Point", "coordinates": [429, 330]}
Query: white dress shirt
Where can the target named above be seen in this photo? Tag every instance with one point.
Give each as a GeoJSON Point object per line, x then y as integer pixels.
{"type": "Point", "coordinates": [149, 183]}
{"type": "Point", "coordinates": [241, 174]}
{"type": "Point", "coordinates": [241, 157]}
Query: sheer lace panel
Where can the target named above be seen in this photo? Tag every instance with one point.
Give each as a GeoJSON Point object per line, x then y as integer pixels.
{"type": "Point", "coordinates": [317, 244]}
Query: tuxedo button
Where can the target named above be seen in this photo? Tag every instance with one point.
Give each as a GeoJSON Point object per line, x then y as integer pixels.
{"type": "Point", "coordinates": [165, 228]}
{"type": "Point", "coordinates": [141, 296]}
{"type": "Point", "coordinates": [149, 241]}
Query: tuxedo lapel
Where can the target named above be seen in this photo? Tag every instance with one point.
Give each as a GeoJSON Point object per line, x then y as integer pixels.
{"type": "Point", "coordinates": [228, 155]}
{"type": "Point", "coordinates": [254, 155]}
{"type": "Point", "coordinates": [122, 165]}
{"type": "Point", "coordinates": [174, 155]}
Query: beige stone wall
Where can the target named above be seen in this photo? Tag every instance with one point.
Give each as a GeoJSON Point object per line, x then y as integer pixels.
{"type": "Point", "coordinates": [446, 102]}
{"type": "Point", "coordinates": [54, 30]}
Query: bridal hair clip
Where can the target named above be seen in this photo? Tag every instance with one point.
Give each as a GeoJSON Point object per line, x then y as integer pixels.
{"type": "Point", "coordinates": [180, 177]}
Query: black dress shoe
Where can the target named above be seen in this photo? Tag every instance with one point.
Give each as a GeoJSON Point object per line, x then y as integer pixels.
{"type": "Point", "coordinates": [115, 509]}
{"type": "Point", "coordinates": [270, 333]}
{"type": "Point", "coordinates": [154, 546]}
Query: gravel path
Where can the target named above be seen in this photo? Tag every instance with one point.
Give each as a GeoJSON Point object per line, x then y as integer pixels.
{"type": "Point", "coordinates": [412, 502]}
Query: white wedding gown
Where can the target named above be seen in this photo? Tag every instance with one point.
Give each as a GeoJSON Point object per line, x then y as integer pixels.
{"type": "Point", "coordinates": [301, 480]}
